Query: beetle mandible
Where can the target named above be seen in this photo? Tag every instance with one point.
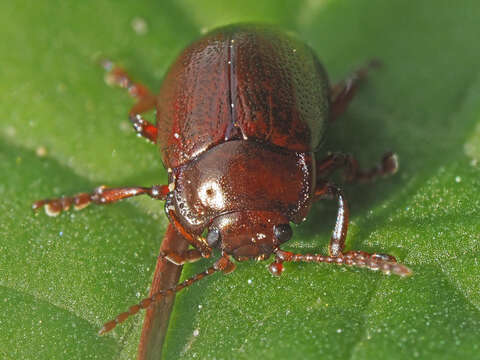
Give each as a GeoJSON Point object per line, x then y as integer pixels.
{"type": "Point", "coordinates": [240, 115]}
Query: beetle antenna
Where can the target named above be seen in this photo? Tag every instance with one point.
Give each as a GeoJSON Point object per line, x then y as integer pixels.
{"type": "Point", "coordinates": [145, 303]}
{"type": "Point", "coordinates": [385, 263]}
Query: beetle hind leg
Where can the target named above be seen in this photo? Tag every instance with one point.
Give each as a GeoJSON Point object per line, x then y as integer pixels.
{"type": "Point", "coordinates": [344, 91]}
{"type": "Point", "coordinates": [145, 99]}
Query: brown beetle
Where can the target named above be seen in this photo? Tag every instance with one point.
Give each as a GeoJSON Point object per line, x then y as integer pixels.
{"type": "Point", "coordinates": [240, 115]}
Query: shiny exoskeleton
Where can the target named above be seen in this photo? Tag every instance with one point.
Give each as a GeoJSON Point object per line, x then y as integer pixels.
{"type": "Point", "coordinates": [240, 115]}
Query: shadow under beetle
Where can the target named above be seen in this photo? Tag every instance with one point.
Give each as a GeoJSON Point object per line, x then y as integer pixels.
{"type": "Point", "coordinates": [239, 116]}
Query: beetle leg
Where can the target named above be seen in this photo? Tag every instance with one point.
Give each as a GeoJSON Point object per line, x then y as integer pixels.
{"type": "Point", "coordinates": [145, 100]}
{"type": "Point", "coordinates": [143, 128]}
{"type": "Point", "coordinates": [166, 276]}
{"type": "Point", "coordinates": [382, 262]}
{"type": "Point", "coordinates": [118, 76]}
{"type": "Point", "coordinates": [198, 242]}
{"type": "Point", "coordinates": [343, 92]}
{"type": "Point", "coordinates": [101, 196]}
{"type": "Point", "coordinates": [352, 172]}
{"type": "Point", "coordinates": [223, 264]}
{"type": "Point", "coordinates": [189, 256]}
{"type": "Point", "coordinates": [337, 241]}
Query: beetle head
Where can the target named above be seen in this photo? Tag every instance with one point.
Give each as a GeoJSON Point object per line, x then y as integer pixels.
{"type": "Point", "coordinates": [249, 234]}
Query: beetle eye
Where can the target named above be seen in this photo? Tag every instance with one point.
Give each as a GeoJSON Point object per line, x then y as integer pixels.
{"type": "Point", "coordinates": [213, 237]}
{"type": "Point", "coordinates": [282, 232]}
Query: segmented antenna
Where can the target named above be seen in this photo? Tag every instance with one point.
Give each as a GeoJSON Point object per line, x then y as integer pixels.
{"type": "Point", "coordinates": [145, 303]}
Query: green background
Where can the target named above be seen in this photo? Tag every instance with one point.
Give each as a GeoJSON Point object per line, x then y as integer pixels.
{"type": "Point", "coordinates": [61, 278]}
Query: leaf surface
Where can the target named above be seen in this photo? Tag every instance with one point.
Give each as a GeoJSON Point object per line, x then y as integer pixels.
{"type": "Point", "coordinates": [64, 131]}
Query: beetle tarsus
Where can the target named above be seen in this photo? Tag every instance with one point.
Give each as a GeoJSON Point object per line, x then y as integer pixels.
{"type": "Point", "coordinates": [276, 267]}
{"type": "Point", "coordinates": [144, 128]}
{"type": "Point", "coordinates": [343, 92]}
{"type": "Point", "coordinates": [145, 100]}
{"type": "Point", "coordinates": [115, 75]}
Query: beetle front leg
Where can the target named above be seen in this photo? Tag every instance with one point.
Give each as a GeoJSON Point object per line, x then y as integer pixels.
{"type": "Point", "coordinates": [337, 241]}
{"type": "Point", "coordinates": [166, 276]}
{"type": "Point", "coordinates": [145, 99]}
{"type": "Point", "coordinates": [189, 256]}
{"type": "Point", "coordinates": [198, 242]}
{"type": "Point", "coordinates": [343, 92]}
{"type": "Point", "coordinates": [383, 262]}
{"type": "Point", "coordinates": [101, 196]}
{"type": "Point", "coordinates": [352, 171]}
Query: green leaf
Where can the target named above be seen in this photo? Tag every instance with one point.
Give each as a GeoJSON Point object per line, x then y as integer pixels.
{"type": "Point", "coordinates": [64, 131]}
